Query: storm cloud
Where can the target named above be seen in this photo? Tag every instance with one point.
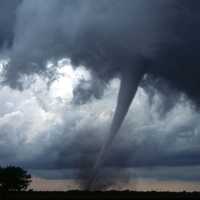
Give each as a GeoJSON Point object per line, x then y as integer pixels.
{"type": "Point", "coordinates": [108, 38]}
{"type": "Point", "coordinates": [105, 36]}
{"type": "Point", "coordinates": [33, 127]}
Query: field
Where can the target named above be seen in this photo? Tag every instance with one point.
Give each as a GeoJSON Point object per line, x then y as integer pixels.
{"type": "Point", "coordinates": [100, 195]}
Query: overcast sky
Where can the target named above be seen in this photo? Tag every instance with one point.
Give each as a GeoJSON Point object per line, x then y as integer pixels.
{"type": "Point", "coordinates": [60, 70]}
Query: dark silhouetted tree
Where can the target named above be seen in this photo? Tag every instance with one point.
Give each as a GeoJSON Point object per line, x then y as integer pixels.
{"type": "Point", "coordinates": [14, 179]}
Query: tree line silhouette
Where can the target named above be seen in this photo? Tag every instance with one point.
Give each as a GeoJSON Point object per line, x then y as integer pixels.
{"type": "Point", "coordinates": [13, 179]}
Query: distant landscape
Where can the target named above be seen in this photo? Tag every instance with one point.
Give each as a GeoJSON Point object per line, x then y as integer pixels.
{"type": "Point", "coordinates": [101, 195]}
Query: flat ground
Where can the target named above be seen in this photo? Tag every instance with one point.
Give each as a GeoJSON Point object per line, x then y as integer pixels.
{"type": "Point", "coordinates": [100, 195]}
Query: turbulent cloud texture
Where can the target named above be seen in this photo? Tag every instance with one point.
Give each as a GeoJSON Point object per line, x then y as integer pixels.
{"type": "Point", "coordinates": [43, 120]}
{"type": "Point", "coordinates": [65, 106]}
{"type": "Point", "coordinates": [106, 36]}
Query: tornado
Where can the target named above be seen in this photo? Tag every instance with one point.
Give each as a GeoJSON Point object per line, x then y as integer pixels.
{"type": "Point", "coordinates": [130, 79]}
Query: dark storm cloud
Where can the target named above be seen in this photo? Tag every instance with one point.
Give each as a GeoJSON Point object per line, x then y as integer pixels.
{"type": "Point", "coordinates": [109, 36]}
{"type": "Point", "coordinates": [7, 22]}
{"type": "Point", "coordinates": [149, 153]}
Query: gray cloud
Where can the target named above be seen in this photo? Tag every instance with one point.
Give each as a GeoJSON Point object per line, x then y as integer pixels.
{"type": "Point", "coordinates": [7, 22]}
{"type": "Point", "coordinates": [107, 37]}
{"type": "Point", "coordinates": [69, 133]}
{"type": "Point", "coordinates": [88, 89]}
{"type": "Point", "coordinates": [184, 173]}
